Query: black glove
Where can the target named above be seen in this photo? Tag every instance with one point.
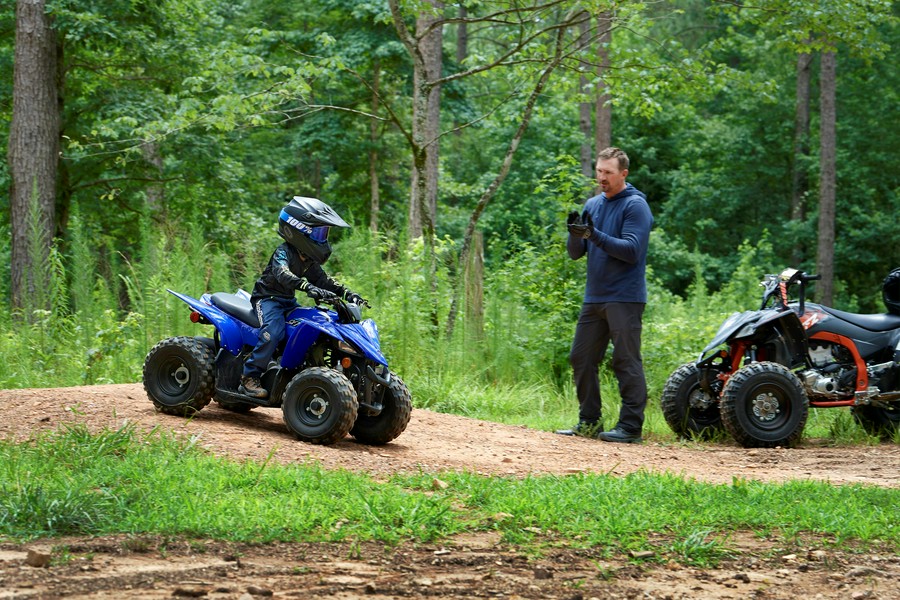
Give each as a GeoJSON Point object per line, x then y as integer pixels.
{"type": "Point", "coordinates": [582, 230]}
{"type": "Point", "coordinates": [318, 294]}
{"type": "Point", "coordinates": [356, 298]}
{"type": "Point", "coordinates": [573, 217]}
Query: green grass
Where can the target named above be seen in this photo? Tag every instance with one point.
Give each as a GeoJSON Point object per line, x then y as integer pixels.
{"type": "Point", "coordinates": [71, 482]}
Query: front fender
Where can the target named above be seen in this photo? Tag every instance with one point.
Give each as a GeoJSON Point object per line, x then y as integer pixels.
{"type": "Point", "coordinates": [229, 329]}
{"type": "Point", "coordinates": [304, 325]}
{"type": "Point", "coordinates": [728, 329]}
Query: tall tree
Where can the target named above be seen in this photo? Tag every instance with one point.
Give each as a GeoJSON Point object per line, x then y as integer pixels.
{"type": "Point", "coordinates": [585, 113]}
{"type": "Point", "coordinates": [827, 176]}
{"type": "Point", "coordinates": [426, 125]}
{"type": "Point", "coordinates": [799, 175]}
{"type": "Point", "coordinates": [603, 110]}
{"type": "Point", "coordinates": [33, 146]}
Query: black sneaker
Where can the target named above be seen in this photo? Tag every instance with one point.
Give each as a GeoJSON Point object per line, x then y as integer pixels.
{"type": "Point", "coordinates": [252, 386]}
{"type": "Point", "coordinates": [619, 435]}
{"type": "Point", "coordinates": [588, 429]}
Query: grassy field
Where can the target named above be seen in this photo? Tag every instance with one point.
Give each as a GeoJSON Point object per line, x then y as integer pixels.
{"type": "Point", "coordinates": [71, 482]}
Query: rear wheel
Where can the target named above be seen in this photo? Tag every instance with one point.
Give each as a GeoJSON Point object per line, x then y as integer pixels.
{"type": "Point", "coordinates": [687, 408]}
{"type": "Point", "coordinates": [391, 421]}
{"type": "Point", "coordinates": [882, 422]}
{"type": "Point", "coordinates": [179, 376]}
{"type": "Point", "coordinates": [764, 405]}
{"type": "Point", "coordinates": [319, 405]}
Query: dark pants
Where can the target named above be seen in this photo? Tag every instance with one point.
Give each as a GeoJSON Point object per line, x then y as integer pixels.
{"type": "Point", "coordinates": [598, 324]}
{"type": "Point", "coordinates": [272, 313]}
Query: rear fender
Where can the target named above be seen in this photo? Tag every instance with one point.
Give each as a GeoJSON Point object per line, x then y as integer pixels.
{"type": "Point", "coordinates": [230, 334]}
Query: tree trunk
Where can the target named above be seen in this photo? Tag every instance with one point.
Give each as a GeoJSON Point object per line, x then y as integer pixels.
{"type": "Point", "coordinates": [426, 126]}
{"type": "Point", "coordinates": [603, 130]}
{"type": "Point", "coordinates": [156, 194]}
{"type": "Point", "coordinates": [474, 286]}
{"type": "Point", "coordinates": [584, 107]}
{"type": "Point", "coordinates": [33, 151]}
{"type": "Point", "coordinates": [375, 200]}
{"type": "Point", "coordinates": [462, 49]}
{"type": "Point", "coordinates": [462, 37]}
{"type": "Point", "coordinates": [799, 175]}
{"type": "Point", "coordinates": [827, 176]}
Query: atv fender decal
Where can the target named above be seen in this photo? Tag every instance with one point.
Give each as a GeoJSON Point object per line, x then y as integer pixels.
{"type": "Point", "coordinates": [813, 317]}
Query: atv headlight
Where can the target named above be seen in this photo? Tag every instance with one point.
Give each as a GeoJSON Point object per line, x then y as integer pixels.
{"type": "Point", "coordinates": [345, 347]}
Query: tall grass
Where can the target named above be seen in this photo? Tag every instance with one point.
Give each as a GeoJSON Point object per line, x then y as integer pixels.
{"type": "Point", "coordinates": [108, 309]}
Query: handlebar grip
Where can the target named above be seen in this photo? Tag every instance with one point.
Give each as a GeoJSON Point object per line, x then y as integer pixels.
{"type": "Point", "coordinates": [811, 277]}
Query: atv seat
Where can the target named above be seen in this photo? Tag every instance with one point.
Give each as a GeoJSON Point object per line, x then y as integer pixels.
{"type": "Point", "coordinates": [241, 308]}
{"type": "Point", "coordinates": [884, 322]}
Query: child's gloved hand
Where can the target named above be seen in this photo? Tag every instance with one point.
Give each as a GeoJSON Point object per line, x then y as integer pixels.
{"type": "Point", "coordinates": [356, 299]}
{"type": "Point", "coordinates": [318, 294]}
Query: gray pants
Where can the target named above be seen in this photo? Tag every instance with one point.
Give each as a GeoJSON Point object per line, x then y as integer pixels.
{"type": "Point", "coordinates": [598, 324]}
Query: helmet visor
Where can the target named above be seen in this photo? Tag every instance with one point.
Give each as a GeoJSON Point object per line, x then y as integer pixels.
{"type": "Point", "coordinates": [319, 234]}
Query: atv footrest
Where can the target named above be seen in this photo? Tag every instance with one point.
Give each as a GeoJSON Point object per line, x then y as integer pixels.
{"type": "Point", "coordinates": [233, 396]}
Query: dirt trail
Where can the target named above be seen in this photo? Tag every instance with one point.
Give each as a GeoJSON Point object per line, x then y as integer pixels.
{"type": "Point", "coordinates": [435, 442]}
{"type": "Point", "coordinates": [465, 567]}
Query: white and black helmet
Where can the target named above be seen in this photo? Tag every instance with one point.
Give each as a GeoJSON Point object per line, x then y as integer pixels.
{"type": "Point", "coordinates": [304, 224]}
{"type": "Point", "coordinates": [890, 291]}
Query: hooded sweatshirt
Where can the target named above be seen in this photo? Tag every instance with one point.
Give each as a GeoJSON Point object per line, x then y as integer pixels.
{"type": "Point", "coordinates": [617, 248]}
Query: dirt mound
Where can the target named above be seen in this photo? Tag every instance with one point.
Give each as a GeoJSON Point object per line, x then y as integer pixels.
{"type": "Point", "coordinates": [469, 566]}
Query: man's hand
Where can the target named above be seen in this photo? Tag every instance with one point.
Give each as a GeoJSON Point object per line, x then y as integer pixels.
{"type": "Point", "coordinates": [318, 294]}
{"type": "Point", "coordinates": [573, 218]}
{"type": "Point", "coordinates": [580, 230]}
{"type": "Point", "coordinates": [356, 299]}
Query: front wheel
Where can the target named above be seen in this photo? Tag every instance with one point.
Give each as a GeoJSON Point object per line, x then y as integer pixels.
{"type": "Point", "coordinates": [391, 421]}
{"type": "Point", "coordinates": [319, 405]}
{"type": "Point", "coordinates": [179, 376]}
{"type": "Point", "coordinates": [687, 408]}
{"type": "Point", "coordinates": [882, 422]}
{"type": "Point", "coordinates": [764, 405]}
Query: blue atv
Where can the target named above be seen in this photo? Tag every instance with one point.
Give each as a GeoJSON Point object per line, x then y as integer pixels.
{"type": "Point", "coordinates": [329, 376]}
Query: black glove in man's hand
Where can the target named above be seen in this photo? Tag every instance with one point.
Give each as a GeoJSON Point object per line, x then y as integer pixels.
{"type": "Point", "coordinates": [356, 299]}
{"type": "Point", "coordinates": [573, 218]}
{"type": "Point", "coordinates": [585, 230]}
{"type": "Point", "coordinates": [318, 294]}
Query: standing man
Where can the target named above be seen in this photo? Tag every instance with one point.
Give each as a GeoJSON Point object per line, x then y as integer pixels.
{"type": "Point", "coordinates": [614, 232]}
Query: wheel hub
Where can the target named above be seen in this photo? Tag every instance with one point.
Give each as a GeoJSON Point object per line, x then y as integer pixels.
{"type": "Point", "coordinates": [317, 406]}
{"type": "Point", "coordinates": [765, 407]}
{"type": "Point", "coordinates": [181, 375]}
{"type": "Point", "coordinates": [700, 400]}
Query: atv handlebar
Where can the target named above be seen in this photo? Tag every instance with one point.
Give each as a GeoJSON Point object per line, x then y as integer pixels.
{"type": "Point", "coordinates": [348, 312]}
{"type": "Point", "coordinates": [776, 286]}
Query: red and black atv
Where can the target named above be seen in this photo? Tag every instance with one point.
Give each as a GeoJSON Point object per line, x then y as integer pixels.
{"type": "Point", "coordinates": [762, 371]}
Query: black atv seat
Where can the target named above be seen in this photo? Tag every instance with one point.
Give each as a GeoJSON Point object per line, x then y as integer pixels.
{"type": "Point", "coordinates": [884, 322]}
{"type": "Point", "coordinates": [238, 307]}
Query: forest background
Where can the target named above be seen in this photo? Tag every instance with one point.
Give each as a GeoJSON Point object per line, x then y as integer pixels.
{"type": "Point", "coordinates": [150, 145]}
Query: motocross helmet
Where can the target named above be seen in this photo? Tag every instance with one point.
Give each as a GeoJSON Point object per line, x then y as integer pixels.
{"type": "Point", "coordinates": [304, 224]}
{"type": "Point", "coordinates": [890, 291]}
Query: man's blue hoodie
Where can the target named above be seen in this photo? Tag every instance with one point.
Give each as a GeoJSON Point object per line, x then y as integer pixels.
{"type": "Point", "coordinates": [617, 249]}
